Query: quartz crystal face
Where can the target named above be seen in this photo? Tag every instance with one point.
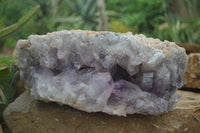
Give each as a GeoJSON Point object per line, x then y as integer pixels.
{"type": "Point", "coordinates": [115, 73]}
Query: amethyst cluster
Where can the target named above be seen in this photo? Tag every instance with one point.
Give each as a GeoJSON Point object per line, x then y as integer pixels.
{"type": "Point", "coordinates": [110, 72]}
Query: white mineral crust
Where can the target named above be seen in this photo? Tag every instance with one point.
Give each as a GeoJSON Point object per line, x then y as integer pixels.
{"type": "Point", "coordinates": [109, 72]}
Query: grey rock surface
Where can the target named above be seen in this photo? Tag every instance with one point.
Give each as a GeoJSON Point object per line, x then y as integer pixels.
{"type": "Point", "coordinates": [41, 117]}
{"type": "Point", "coordinates": [103, 71]}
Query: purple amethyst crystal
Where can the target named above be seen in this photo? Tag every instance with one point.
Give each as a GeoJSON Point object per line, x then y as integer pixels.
{"type": "Point", "coordinates": [103, 71]}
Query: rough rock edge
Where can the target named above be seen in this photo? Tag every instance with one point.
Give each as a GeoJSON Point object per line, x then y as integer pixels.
{"type": "Point", "coordinates": [23, 101]}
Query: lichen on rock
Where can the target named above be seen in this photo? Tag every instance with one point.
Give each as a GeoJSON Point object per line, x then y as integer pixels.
{"type": "Point", "coordinates": [109, 72]}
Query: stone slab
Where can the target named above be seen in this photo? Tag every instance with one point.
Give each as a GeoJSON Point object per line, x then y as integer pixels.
{"type": "Point", "coordinates": [26, 115]}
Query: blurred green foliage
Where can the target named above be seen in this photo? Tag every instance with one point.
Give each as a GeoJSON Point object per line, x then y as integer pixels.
{"type": "Point", "coordinates": [10, 12]}
{"type": "Point", "coordinates": [141, 15]}
{"type": "Point", "coordinates": [84, 12]}
{"type": "Point", "coordinates": [157, 18]}
{"type": "Point", "coordinates": [183, 24]}
{"type": "Point", "coordinates": [12, 28]}
{"type": "Point", "coordinates": [8, 82]}
{"type": "Point", "coordinates": [6, 61]}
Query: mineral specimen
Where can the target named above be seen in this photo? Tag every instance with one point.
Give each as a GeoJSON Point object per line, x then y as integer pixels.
{"type": "Point", "coordinates": [109, 72]}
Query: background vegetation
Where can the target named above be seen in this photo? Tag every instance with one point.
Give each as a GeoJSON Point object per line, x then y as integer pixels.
{"type": "Point", "coordinates": [177, 21]}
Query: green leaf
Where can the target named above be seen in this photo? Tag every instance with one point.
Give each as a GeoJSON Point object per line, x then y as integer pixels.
{"type": "Point", "coordinates": [3, 67]}
{"type": "Point", "coordinates": [88, 6]}
{"type": "Point", "coordinates": [10, 29]}
{"type": "Point", "coordinates": [70, 5]}
{"type": "Point", "coordinates": [3, 99]}
{"type": "Point", "coordinates": [4, 75]}
{"type": "Point", "coordinates": [7, 85]}
{"type": "Point", "coordinates": [7, 61]}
